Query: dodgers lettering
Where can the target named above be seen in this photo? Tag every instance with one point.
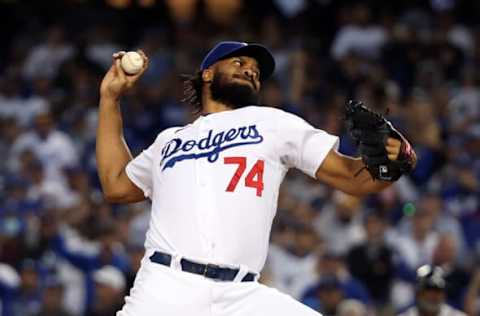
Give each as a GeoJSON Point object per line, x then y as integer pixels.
{"type": "Point", "coordinates": [209, 146]}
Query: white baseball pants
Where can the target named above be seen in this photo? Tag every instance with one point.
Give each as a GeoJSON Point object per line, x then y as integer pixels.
{"type": "Point", "coordinates": [161, 290]}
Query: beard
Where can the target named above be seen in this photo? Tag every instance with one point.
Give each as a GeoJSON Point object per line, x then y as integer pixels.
{"type": "Point", "coordinates": [232, 94]}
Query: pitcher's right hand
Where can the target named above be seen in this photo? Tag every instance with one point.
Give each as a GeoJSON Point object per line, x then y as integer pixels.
{"type": "Point", "coordinates": [116, 82]}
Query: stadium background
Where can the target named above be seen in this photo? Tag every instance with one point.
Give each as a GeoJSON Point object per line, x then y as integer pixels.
{"type": "Point", "coordinates": [64, 251]}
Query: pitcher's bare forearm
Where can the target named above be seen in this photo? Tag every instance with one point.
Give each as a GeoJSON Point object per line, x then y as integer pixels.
{"type": "Point", "coordinates": [113, 155]}
{"type": "Point", "coordinates": [112, 151]}
{"type": "Point", "coordinates": [343, 173]}
{"type": "Point", "coordinates": [362, 181]}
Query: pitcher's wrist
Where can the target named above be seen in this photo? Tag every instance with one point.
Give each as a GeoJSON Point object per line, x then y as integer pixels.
{"type": "Point", "coordinates": [107, 97]}
{"type": "Point", "coordinates": [109, 102]}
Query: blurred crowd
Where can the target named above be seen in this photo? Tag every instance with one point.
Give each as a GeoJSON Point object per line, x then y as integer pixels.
{"type": "Point", "coordinates": [65, 251]}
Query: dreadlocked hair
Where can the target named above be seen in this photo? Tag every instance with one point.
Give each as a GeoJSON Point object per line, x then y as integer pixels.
{"type": "Point", "coordinates": [192, 91]}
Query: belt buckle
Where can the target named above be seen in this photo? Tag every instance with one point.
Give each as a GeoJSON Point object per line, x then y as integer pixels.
{"type": "Point", "coordinates": [209, 265]}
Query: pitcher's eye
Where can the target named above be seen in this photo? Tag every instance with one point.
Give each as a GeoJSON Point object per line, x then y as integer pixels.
{"type": "Point", "coordinates": [237, 62]}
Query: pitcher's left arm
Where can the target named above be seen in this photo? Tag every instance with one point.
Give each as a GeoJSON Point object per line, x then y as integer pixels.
{"type": "Point", "coordinates": [385, 155]}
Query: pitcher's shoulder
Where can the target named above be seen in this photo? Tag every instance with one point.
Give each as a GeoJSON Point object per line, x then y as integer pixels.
{"type": "Point", "coordinates": [266, 110]}
{"type": "Point", "coordinates": [168, 132]}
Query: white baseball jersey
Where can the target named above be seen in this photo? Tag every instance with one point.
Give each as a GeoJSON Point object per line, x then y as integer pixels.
{"type": "Point", "coordinates": [214, 183]}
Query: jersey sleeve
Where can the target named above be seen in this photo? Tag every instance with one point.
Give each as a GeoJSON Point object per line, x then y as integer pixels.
{"type": "Point", "coordinates": [302, 146]}
{"type": "Point", "coordinates": [140, 169]}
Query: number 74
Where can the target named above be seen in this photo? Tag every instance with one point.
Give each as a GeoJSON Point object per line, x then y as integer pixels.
{"type": "Point", "coordinates": [253, 179]}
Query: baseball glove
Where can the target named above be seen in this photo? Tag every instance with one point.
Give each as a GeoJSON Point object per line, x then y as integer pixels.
{"type": "Point", "coordinates": [370, 131]}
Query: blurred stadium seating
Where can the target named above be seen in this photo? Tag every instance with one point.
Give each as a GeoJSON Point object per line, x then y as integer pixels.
{"type": "Point", "coordinates": [64, 251]}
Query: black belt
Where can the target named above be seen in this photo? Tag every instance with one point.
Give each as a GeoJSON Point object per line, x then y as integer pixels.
{"type": "Point", "coordinates": [211, 271]}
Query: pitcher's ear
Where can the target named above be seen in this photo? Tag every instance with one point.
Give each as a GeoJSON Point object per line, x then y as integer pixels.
{"type": "Point", "coordinates": [207, 75]}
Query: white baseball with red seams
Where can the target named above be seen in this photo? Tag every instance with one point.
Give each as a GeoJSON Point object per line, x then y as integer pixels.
{"type": "Point", "coordinates": [132, 63]}
{"type": "Point", "coordinates": [214, 187]}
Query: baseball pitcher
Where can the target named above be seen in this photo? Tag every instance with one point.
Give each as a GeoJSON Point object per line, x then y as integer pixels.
{"type": "Point", "coordinates": [214, 183]}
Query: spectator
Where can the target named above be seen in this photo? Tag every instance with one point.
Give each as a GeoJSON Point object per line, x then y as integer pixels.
{"type": "Point", "coordinates": [443, 221]}
{"type": "Point", "coordinates": [360, 36]}
{"type": "Point", "coordinates": [292, 268]}
{"type": "Point", "coordinates": [52, 147]}
{"type": "Point", "coordinates": [430, 294]}
{"type": "Point", "coordinates": [351, 308]}
{"type": "Point", "coordinates": [101, 45]}
{"type": "Point", "coordinates": [52, 299]}
{"type": "Point", "coordinates": [340, 223]}
{"type": "Point", "coordinates": [445, 256]}
{"type": "Point", "coordinates": [9, 284]}
{"type": "Point", "coordinates": [412, 249]}
{"type": "Point", "coordinates": [46, 58]}
{"type": "Point", "coordinates": [89, 258]}
{"type": "Point", "coordinates": [109, 292]}
{"type": "Point", "coordinates": [332, 264]}
{"type": "Point", "coordinates": [463, 107]}
{"type": "Point", "coordinates": [29, 300]}
{"type": "Point", "coordinates": [424, 128]}
{"type": "Point", "coordinates": [109, 251]}
{"type": "Point", "coordinates": [47, 191]}
{"type": "Point", "coordinates": [419, 61]}
{"type": "Point", "coordinates": [10, 97]}
{"type": "Point", "coordinates": [371, 262]}
{"type": "Point", "coordinates": [416, 246]}
{"type": "Point", "coordinates": [17, 107]}
{"type": "Point", "coordinates": [328, 296]}
{"type": "Point", "coordinates": [456, 33]}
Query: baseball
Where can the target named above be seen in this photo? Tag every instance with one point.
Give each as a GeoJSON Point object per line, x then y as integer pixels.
{"type": "Point", "coordinates": [132, 63]}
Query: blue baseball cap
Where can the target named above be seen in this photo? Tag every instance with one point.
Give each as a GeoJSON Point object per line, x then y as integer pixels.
{"type": "Point", "coordinates": [227, 49]}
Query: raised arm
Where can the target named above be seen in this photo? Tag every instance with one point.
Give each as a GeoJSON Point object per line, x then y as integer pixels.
{"type": "Point", "coordinates": [111, 149]}
{"type": "Point", "coordinates": [349, 175]}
